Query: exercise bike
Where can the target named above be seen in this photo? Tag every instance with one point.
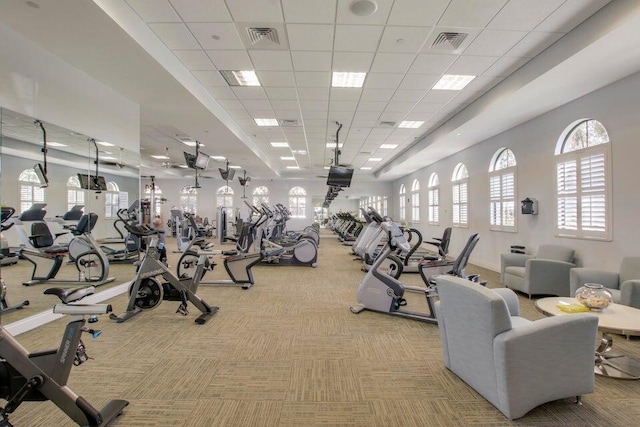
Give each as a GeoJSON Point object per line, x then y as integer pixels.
{"type": "Point", "coordinates": [146, 292]}
{"type": "Point", "coordinates": [41, 376]}
{"type": "Point", "coordinates": [5, 307]}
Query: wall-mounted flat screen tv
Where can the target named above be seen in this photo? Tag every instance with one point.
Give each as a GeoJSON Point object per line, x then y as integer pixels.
{"type": "Point", "coordinates": [339, 176]}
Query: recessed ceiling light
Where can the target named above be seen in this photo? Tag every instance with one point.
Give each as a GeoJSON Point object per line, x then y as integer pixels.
{"type": "Point", "coordinates": [344, 79]}
{"type": "Point", "coordinates": [293, 167]}
{"type": "Point", "coordinates": [366, 168]}
{"type": "Point", "coordinates": [105, 143]}
{"type": "Point", "coordinates": [302, 152]}
{"type": "Point", "coordinates": [375, 159]}
{"type": "Point", "coordinates": [55, 144]}
{"type": "Point", "coordinates": [280, 144]}
{"type": "Point", "coordinates": [388, 146]}
{"type": "Point", "coordinates": [453, 82]}
{"type": "Point", "coordinates": [287, 158]}
{"type": "Point", "coordinates": [219, 158]}
{"type": "Point", "coordinates": [410, 124]}
{"type": "Point", "coordinates": [192, 143]}
{"type": "Point", "coordinates": [363, 7]}
{"type": "Point", "coordinates": [235, 167]}
{"type": "Point", "coordinates": [241, 78]}
{"type": "Point", "coordinates": [155, 157]}
{"type": "Point", "coordinates": [266, 122]}
{"type": "Point", "coordinates": [333, 145]}
{"type": "Point", "coordinates": [108, 158]}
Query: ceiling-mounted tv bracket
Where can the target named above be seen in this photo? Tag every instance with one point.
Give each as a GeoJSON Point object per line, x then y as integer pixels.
{"type": "Point", "coordinates": [95, 185]}
{"type": "Point", "coordinates": [337, 150]}
{"type": "Point", "coordinates": [41, 170]}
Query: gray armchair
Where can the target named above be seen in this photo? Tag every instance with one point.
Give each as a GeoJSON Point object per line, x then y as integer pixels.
{"type": "Point", "coordinates": [545, 274]}
{"type": "Point", "coordinates": [514, 363]}
{"type": "Point", "coordinates": [624, 286]}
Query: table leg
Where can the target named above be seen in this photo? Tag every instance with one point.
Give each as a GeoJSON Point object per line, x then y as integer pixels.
{"type": "Point", "coordinates": [614, 364]}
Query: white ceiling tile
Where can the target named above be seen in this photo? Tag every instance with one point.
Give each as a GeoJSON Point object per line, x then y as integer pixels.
{"type": "Point", "coordinates": [494, 42]}
{"type": "Point", "coordinates": [533, 44]}
{"type": "Point", "coordinates": [416, 116]}
{"type": "Point", "coordinates": [383, 80]}
{"type": "Point", "coordinates": [316, 123]}
{"type": "Point", "coordinates": [210, 78]}
{"type": "Point", "coordinates": [482, 83]}
{"type": "Point", "coordinates": [419, 81]}
{"type": "Point", "coordinates": [230, 59]}
{"type": "Point", "coordinates": [399, 107]}
{"type": "Point", "coordinates": [343, 117]}
{"type": "Point", "coordinates": [221, 92]}
{"type": "Point", "coordinates": [343, 105]}
{"type": "Point", "coordinates": [277, 93]}
{"type": "Point", "coordinates": [202, 11]}
{"type": "Point", "coordinates": [276, 78]}
{"type": "Point", "coordinates": [389, 116]}
{"type": "Point", "coordinates": [345, 16]}
{"type": "Point", "coordinates": [311, 93]}
{"type": "Point", "coordinates": [284, 104]}
{"type": "Point", "coordinates": [428, 107]}
{"type": "Point", "coordinates": [468, 65]}
{"type": "Point", "coordinates": [432, 64]}
{"type": "Point", "coordinates": [227, 36]}
{"type": "Point", "coordinates": [416, 12]}
{"type": "Point", "coordinates": [271, 60]}
{"type": "Point", "coordinates": [256, 104]}
{"type": "Point", "coordinates": [570, 14]}
{"type": "Point", "coordinates": [309, 11]}
{"type": "Point", "coordinates": [392, 62]}
{"type": "Point", "coordinates": [357, 38]}
{"type": "Point", "coordinates": [313, 79]}
{"type": "Point", "coordinates": [470, 13]}
{"type": "Point", "coordinates": [345, 94]}
{"type": "Point", "coordinates": [403, 39]}
{"type": "Point", "coordinates": [365, 123]}
{"type": "Point", "coordinates": [255, 11]}
{"type": "Point", "coordinates": [412, 96]}
{"type": "Point", "coordinates": [313, 105]}
{"type": "Point", "coordinates": [154, 10]}
{"type": "Point", "coordinates": [377, 94]}
{"type": "Point", "coordinates": [245, 92]}
{"type": "Point", "coordinates": [523, 15]}
{"type": "Point", "coordinates": [240, 115]}
{"type": "Point", "coordinates": [287, 114]}
{"type": "Point", "coordinates": [311, 61]}
{"type": "Point", "coordinates": [315, 115]}
{"type": "Point", "coordinates": [439, 96]}
{"type": "Point", "coordinates": [175, 36]}
{"type": "Point", "coordinates": [505, 66]}
{"type": "Point", "coordinates": [262, 114]}
{"type": "Point", "coordinates": [372, 106]}
{"type": "Point", "coordinates": [231, 104]}
{"type": "Point", "coordinates": [195, 60]}
{"type": "Point", "coordinates": [367, 115]}
{"type": "Point", "coordinates": [310, 36]}
{"type": "Point", "coordinates": [352, 61]}
{"type": "Point", "coordinates": [382, 131]}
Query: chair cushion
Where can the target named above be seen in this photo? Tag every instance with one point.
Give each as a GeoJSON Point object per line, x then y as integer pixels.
{"type": "Point", "coordinates": [517, 321]}
{"type": "Point", "coordinates": [515, 271]}
{"type": "Point", "coordinates": [555, 252]}
{"type": "Point", "coordinates": [629, 269]}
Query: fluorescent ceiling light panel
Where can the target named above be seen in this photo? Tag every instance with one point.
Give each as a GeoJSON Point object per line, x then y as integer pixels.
{"type": "Point", "coordinates": [155, 157]}
{"type": "Point", "coordinates": [218, 158]}
{"type": "Point", "coordinates": [287, 158]}
{"type": "Point", "coordinates": [240, 78]}
{"type": "Point", "coordinates": [389, 146]}
{"type": "Point", "coordinates": [280, 144]}
{"type": "Point", "coordinates": [333, 145]}
{"type": "Point", "coordinates": [410, 124]}
{"type": "Point", "coordinates": [366, 168]}
{"type": "Point", "coordinates": [453, 82]}
{"type": "Point", "coordinates": [105, 143]}
{"type": "Point", "coordinates": [303, 152]}
{"type": "Point", "coordinates": [192, 143]}
{"type": "Point", "coordinates": [266, 122]}
{"type": "Point", "coordinates": [235, 167]}
{"type": "Point", "coordinates": [55, 144]}
{"type": "Point", "coordinates": [343, 79]}
{"type": "Point", "coordinates": [293, 167]}
{"type": "Point", "coordinates": [108, 158]}
{"type": "Point", "coordinates": [375, 159]}
{"type": "Point", "coordinates": [183, 166]}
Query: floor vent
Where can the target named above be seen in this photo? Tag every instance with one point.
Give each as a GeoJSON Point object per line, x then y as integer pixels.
{"type": "Point", "coordinates": [449, 40]}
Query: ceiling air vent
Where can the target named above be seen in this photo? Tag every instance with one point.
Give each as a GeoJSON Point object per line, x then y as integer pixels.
{"type": "Point", "coordinates": [259, 34]}
{"type": "Point", "coordinates": [289, 123]}
{"type": "Point", "coordinates": [448, 40]}
{"type": "Point", "coordinates": [388, 124]}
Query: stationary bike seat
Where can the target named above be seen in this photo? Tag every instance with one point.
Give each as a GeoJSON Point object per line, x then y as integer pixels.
{"type": "Point", "coordinates": [68, 295]}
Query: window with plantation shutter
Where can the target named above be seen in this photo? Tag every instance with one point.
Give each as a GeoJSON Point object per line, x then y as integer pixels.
{"type": "Point", "coordinates": [30, 191]}
{"type": "Point", "coordinates": [502, 191]}
{"type": "Point", "coordinates": [403, 203]}
{"type": "Point", "coordinates": [415, 200]}
{"type": "Point", "coordinates": [75, 193]}
{"type": "Point", "coordinates": [298, 202]}
{"type": "Point", "coordinates": [460, 209]}
{"type": "Point", "coordinates": [583, 178]}
{"type": "Point", "coordinates": [434, 199]}
{"type": "Point", "coordinates": [111, 200]}
{"type": "Point", "coordinates": [260, 195]}
{"type": "Point", "coordinates": [189, 199]}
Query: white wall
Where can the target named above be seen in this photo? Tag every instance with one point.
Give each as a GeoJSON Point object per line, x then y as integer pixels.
{"type": "Point", "coordinates": [533, 144]}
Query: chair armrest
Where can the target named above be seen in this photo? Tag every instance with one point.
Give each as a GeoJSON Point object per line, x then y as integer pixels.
{"type": "Point", "coordinates": [630, 293]}
{"type": "Point", "coordinates": [512, 260]}
{"type": "Point", "coordinates": [511, 298]}
{"type": "Point", "coordinates": [580, 275]}
{"type": "Point", "coordinates": [547, 276]}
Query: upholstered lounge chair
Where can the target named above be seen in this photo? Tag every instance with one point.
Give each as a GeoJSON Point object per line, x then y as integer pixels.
{"type": "Point", "coordinates": [624, 286]}
{"type": "Point", "coordinates": [514, 363]}
{"type": "Point", "coordinates": [545, 274]}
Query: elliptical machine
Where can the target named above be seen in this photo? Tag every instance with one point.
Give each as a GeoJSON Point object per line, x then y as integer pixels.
{"type": "Point", "coordinates": [5, 307]}
{"type": "Point", "coordinates": [146, 292]}
{"type": "Point", "coordinates": [41, 376]}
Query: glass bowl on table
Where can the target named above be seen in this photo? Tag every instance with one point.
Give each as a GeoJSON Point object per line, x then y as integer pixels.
{"type": "Point", "coordinates": [594, 296]}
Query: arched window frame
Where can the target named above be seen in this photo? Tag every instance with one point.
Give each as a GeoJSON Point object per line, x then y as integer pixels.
{"type": "Point", "coordinates": [460, 184]}
{"type": "Point", "coordinates": [189, 200]}
{"type": "Point", "coordinates": [583, 181]}
{"type": "Point", "coordinates": [111, 200]}
{"type": "Point", "coordinates": [260, 195]}
{"type": "Point", "coordinates": [75, 193]}
{"type": "Point", "coordinates": [434, 199]}
{"type": "Point", "coordinates": [224, 198]}
{"type": "Point", "coordinates": [415, 200]}
{"type": "Point", "coordinates": [29, 189]}
{"type": "Point", "coordinates": [503, 191]}
{"type": "Point", "coordinates": [298, 202]}
{"type": "Point", "coordinates": [403, 202]}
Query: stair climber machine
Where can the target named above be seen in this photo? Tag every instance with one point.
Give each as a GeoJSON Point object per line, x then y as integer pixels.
{"type": "Point", "coordinates": [385, 294]}
{"type": "Point", "coordinates": [146, 292]}
{"type": "Point", "coordinates": [5, 307]}
{"type": "Point", "coordinates": [42, 376]}
{"type": "Point", "coordinates": [300, 252]}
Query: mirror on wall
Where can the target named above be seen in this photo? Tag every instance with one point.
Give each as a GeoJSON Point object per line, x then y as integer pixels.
{"type": "Point", "coordinates": [72, 189]}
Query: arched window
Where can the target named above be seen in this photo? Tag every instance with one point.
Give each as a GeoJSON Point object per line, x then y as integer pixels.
{"type": "Point", "coordinates": [225, 198]}
{"type": "Point", "coordinates": [415, 200]}
{"type": "Point", "coordinates": [583, 181]}
{"type": "Point", "coordinates": [298, 202]}
{"type": "Point", "coordinates": [460, 181]}
{"type": "Point", "coordinates": [502, 191]}
{"type": "Point", "coordinates": [434, 199]}
{"type": "Point", "coordinates": [157, 205]}
{"type": "Point", "coordinates": [30, 191]}
{"type": "Point", "coordinates": [75, 193]}
{"type": "Point", "coordinates": [189, 199]}
{"type": "Point", "coordinates": [403, 203]}
{"type": "Point", "coordinates": [111, 200]}
{"type": "Point", "coordinates": [260, 195]}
